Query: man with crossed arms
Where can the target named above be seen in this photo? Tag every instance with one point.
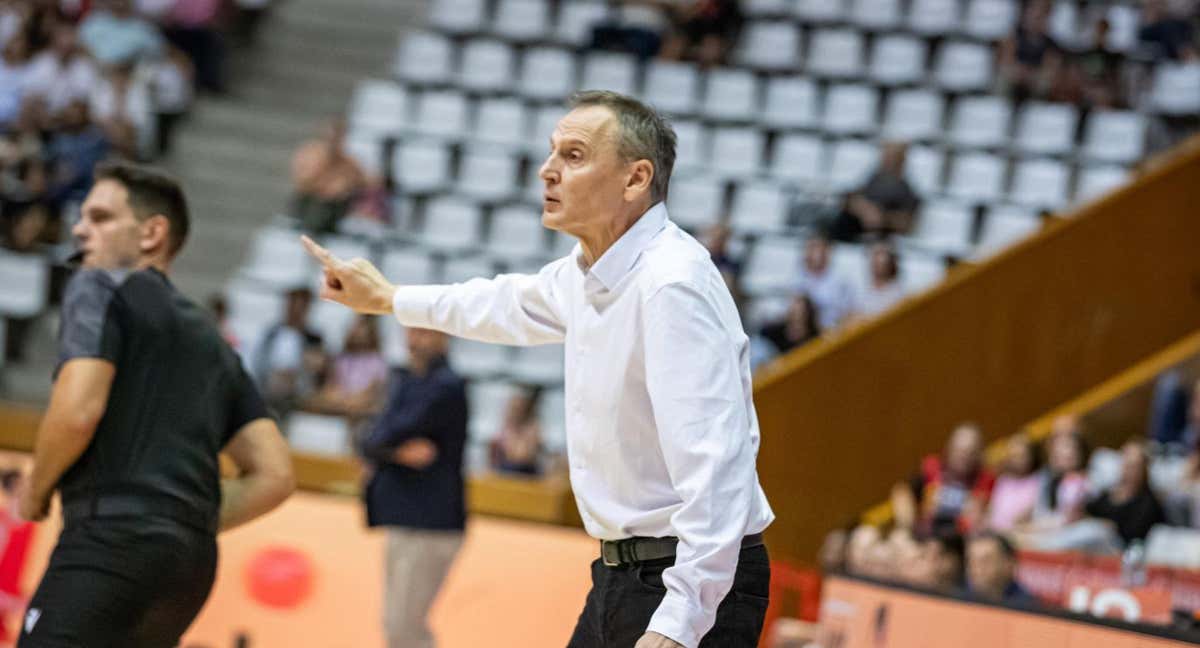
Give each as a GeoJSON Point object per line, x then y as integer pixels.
{"type": "Point", "coordinates": [661, 430]}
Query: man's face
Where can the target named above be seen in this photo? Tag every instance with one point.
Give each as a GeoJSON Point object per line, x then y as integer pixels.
{"type": "Point", "coordinates": [964, 451]}
{"type": "Point", "coordinates": [425, 344]}
{"type": "Point", "coordinates": [108, 232]}
{"type": "Point", "coordinates": [988, 569]}
{"type": "Point", "coordinates": [298, 303]}
{"type": "Point", "coordinates": [816, 254]}
{"type": "Point", "coordinates": [584, 175]}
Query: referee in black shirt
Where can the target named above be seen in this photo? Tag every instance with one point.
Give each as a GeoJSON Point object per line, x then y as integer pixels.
{"type": "Point", "coordinates": [145, 397]}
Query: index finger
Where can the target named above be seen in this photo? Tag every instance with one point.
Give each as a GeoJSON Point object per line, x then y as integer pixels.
{"type": "Point", "coordinates": [325, 257]}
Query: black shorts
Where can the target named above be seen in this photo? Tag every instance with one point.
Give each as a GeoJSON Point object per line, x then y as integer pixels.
{"type": "Point", "coordinates": [121, 583]}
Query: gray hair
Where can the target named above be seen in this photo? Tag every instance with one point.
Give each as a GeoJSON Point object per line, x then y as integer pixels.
{"type": "Point", "coordinates": [644, 134]}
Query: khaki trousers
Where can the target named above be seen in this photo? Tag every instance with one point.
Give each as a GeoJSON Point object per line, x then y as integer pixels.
{"type": "Point", "coordinates": [416, 564]}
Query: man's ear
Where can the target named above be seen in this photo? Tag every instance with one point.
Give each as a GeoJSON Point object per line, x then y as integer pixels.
{"type": "Point", "coordinates": [641, 175]}
{"type": "Point", "coordinates": [156, 234]}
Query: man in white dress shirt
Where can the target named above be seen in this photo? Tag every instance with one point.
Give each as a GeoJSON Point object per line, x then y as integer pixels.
{"type": "Point", "coordinates": [661, 430]}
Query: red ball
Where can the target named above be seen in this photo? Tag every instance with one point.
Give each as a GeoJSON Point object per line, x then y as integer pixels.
{"type": "Point", "coordinates": [279, 577]}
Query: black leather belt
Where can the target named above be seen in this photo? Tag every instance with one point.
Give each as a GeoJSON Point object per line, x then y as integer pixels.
{"type": "Point", "coordinates": [630, 551]}
{"type": "Point", "coordinates": [133, 506]}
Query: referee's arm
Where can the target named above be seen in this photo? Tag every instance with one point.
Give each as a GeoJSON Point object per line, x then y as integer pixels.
{"type": "Point", "coordinates": [77, 403]}
{"type": "Point", "coordinates": [261, 455]}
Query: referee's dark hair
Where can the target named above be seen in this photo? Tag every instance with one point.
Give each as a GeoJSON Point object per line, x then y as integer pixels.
{"type": "Point", "coordinates": [152, 192]}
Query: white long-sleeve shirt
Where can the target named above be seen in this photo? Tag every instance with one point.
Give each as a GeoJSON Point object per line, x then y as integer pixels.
{"type": "Point", "coordinates": [662, 436]}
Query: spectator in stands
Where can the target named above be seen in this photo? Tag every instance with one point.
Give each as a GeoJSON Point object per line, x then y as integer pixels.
{"type": "Point", "coordinates": [943, 561]}
{"type": "Point", "coordinates": [798, 326]}
{"type": "Point", "coordinates": [716, 240]}
{"type": "Point", "coordinates": [1164, 35]}
{"type": "Point", "coordinates": [1093, 77]}
{"type": "Point", "coordinates": [884, 205]}
{"type": "Point", "coordinates": [116, 35]}
{"type": "Point", "coordinates": [326, 180]}
{"type": "Point", "coordinates": [358, 375]}
{"type": "Point", "coordinates": [883, 288]}
{"type": "Point", "coordinates": [220, 312]}
{"type": "Point", "coordinates": [1169, 410]}
{"type": "Point", "coordinates": [518, 445]}
{"type": "Point", "coordinates": [991, 569]}
{"type": "Point", "coordinates": [1016, 492]}
{"type": "Point", "coordinates": [192, 28]}
{"type": "Point", "coordinates": [950, 491]}
{"type": "Point", "coordinates": [1131, 506]}
{"type": "Point", "coordinates": [704, 31]}
{"type": "Point", "coordinates": [636, 27]}
{"type": "Point", "coordinates": [173, 95]}
{"type": "Point", "coordinates": [1030, 60]}
{"type": "Point", "coordinates": [14, 74]}
{"type": "Point", "coordinates": [416, 486]}
{"type": "Point", "coordinates": [830, 291]}
{"type": "Point", "coordinates": [122, 106]}
{"type": "Point", "coordinates": [12, 20]}
{"type": "Point", "coordinates": [862, 538]}
{"type": "Point", "coordinates": [75, 149]}
{"type": "Point", "coordinates": [288, 359]}
{"type": "Point", "coordinates": [832, 556]}
{"type": "Point", "coordinates": [1064, 489]}
{"type": "Point", "coordinates": [57, 77]}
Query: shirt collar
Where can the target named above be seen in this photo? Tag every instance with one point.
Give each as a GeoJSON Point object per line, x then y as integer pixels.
{"type": "Point", "coordinates": [615, 263]}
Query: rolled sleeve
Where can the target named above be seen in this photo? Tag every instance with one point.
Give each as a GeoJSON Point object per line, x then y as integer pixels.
{"type": "Point", "coordinates": [694, 378]}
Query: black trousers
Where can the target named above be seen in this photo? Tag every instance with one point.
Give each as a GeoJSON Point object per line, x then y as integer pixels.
{"type": "Point", "coordinates": [623, 599]}
{"type": "Point", "coordinates": [121, 583]}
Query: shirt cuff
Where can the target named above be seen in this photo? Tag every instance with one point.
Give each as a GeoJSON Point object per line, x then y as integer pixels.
{"type": "Point", "coordinates": [678, 621]}
{"type": "Point", "coordinates": [413, 305]}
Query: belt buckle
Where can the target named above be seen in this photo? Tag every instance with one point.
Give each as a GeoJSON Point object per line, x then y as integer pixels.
{"type": "Point", "coordinates": [607, 549]}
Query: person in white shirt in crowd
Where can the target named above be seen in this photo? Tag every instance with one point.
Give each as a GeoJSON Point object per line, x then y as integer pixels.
{"type": "Point", "coordinates": [662, 435]}
{"type": "Point", "coordinates": [830, 291]}
{"type": "Point", "coordinates": [12, 19]}
{"type": "Point", "coordinates": [122, 105]}
{"type": "Point", "coordinates": [14, 74]}
{"type": "Point", "coordinates": [57, 77]}
{"type": "Point", "coordinates": [116, 35]}
{"type": "Point", "coordinates": [883, 288]}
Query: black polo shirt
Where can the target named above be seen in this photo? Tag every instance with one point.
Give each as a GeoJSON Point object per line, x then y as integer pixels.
{"type": "Point", "coordinates": [179, 393]}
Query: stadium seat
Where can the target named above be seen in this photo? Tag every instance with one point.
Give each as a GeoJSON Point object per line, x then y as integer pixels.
{"type": "Point", "coordinates": [26, 279]}
{"type": "Point", "coordinates": [672, 87]}
{"type": "Point", "coordinates": [462, 269]}
{"type": "Point", "coordinates": [1176, 89]}
{"type": "Point", "coordinates": [576, 18]}
{"type": "Point", "coordinates": [943, 227]}
{"type": "Point", "coordinates": [1123, 24]}
{"type": "Point", "coordinates": [487, 65]}
{"type": "Point", "coordinates": [547, 73]}
{"type": "Point", "coordinates": [850, 109]}
{"type": "Point", "coordinates": [1046, 128]}
{"type": "Point", "coordinates": [914, 115]}
{"type": "Point", "coordinates": [919, 271]}
{"type": "Point", "coordinates": [730, 95]}
{"type": "Point", "coordinates": [609, 71]}
{"type": "Point", "coordinates": [252, 308]}
{"type": "Point", "coordinates": [332, 321]}
{"type": "Point", "coordinates": [1065, 25]}
{"type": "Point", "coordinates": [1003, 226]}
{"type": "Point", "coordinates": [791, 102]}
{"type": "Point", "coordinates": [772, 266]}
{"type": "Point", "coordinates": [1097, 181]}
{"type": "Point", "coordinates": [489, 402]}
{"type": "Point", "coordinates": [1041, 183]}
{"type": "Point", "coordinates": [759, 207]}
{"type": "Point", "coordinates": [522, 21]}
{"type": "Point", "coordinates": [923, 169]}
{"type": "Point", "coordinates": [319, 434]}
{"type": "Point", "coordinates": [963, 67]}
{"type": "Point", "coordinates": [1114, 136]}
{"type": "Point", "coordinates": [876, 15]}
{"type": "Point", "coordinates": [516, 232]}
{"type": "Point", "coordinates": [991, 20]}
{"type": "Point", "coordinates": [442, 113]}
{"type": "Point", "coordinates": [691, 146]}
{"type": "Point", "coordinates": [451, 224]}
{"type": "Point", "coordinates": [545, 120]}
{"type": "Point", "coordinates": [737, 151]}
{"type": "Point", "coordinates": [412, 266]}
{"type": "Point", "coordinates": [836, 54]}
{"type": "Point", "coordinates": [853, 162]}
{"type": "Point", "coordinates": [275, 259]}
{"type": "Point", "coordinates": [501, 120]}
{"type": "Point", "coordinates": [425, 58]}
{"type": "Point", "coordinates": [820, 11]}
{"type": "Point", "coordinates": [980, 122]}
{"type": "Point", "coordinates": [379, 106]}
{"type": "Point", "coordinates": [421, 166]}
{"type": "Point", "coordinates": [978, 177]}
{"type": "Point", "coordinates": [696, 201]}
{"type": "Point", "coordinates": [799, 159]}
{"type": "Point", "coordinates": [772, 46]}
{"type": "Point", "coordinates": [488, 174]}
{"type": "Point", "coordinates": [768, 8]}
{"type": "Point", "coordinates": [478, 360]}
{"type": "Point", "coordinates": [898, 60]}
{"type": "Point", "coordinates": [934, 17]}
{"type": "Point", "coordinates": [458, 16]}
